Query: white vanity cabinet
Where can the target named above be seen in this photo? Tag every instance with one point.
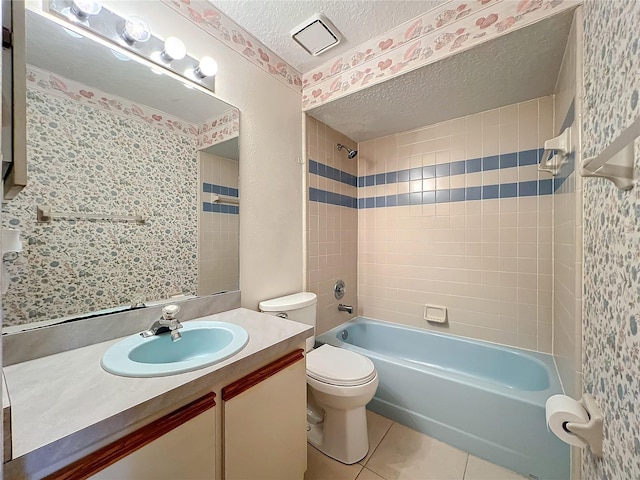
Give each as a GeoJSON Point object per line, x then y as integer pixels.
{"type": "Point", "coordinates": [180, 445]}
{"type": "Point", "coordinates": [264, 422]}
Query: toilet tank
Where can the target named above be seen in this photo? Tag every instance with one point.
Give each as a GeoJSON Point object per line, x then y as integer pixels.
{"type": "Point", "coordinates": [299, 307]}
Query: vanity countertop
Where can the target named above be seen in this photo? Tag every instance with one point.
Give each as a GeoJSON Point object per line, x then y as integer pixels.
{"type": "Point", "coordinates": [62, 403]}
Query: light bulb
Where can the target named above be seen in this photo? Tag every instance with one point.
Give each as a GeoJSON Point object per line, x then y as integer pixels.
{"type": "Point", "coordinates": [174, 49]}
{"type": "Point", "coordinates": [207, 67]}
{"type": "Point", "coordinates": [83, 8]}
{"type": "Point", "coordinates": [135, 30]}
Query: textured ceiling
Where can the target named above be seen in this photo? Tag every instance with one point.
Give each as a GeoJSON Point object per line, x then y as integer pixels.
{"type": "Point", "coordinates": [270, 21]}
{"type": "Point", "coordinates": [516, 67]}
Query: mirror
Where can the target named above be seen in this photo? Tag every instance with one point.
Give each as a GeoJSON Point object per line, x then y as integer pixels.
{"type": "Point", "coordinates": [139, 174]}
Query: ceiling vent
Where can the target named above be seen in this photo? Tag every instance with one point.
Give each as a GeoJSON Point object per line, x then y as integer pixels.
{"type": "Point", "coordinates": [316, 35]}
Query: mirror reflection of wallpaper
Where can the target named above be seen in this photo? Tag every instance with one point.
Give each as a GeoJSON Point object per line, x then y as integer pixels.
{"type": "Point", "coordinates": [86, 159]}
{"type": "Point", "coordinates": [218, 266]}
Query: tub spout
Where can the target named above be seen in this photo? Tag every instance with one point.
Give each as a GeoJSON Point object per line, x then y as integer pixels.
{"type": "Point", "coordinates": [345, 308]}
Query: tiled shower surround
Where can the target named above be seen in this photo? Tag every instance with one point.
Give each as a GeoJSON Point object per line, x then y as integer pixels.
{"type": "Point", "coordinates": [71, 267]}
{"type": "Point", "coordinates": [454, 214]}
{"type": "Point", "coordinates": [332, 229]}
{"type": "Point", "coordinates": [479, 242]}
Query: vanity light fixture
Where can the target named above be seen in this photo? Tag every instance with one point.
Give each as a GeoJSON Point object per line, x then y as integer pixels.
{"type": "Point", "coordinates": [85, 8]}
{"type": "Point", "coordinates": [135, 30]}
{"type": "Point", "coordinates": [132, 34]}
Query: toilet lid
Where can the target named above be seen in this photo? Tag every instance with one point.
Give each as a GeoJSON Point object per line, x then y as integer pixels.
{"type": "Point", "coordinates": [338, 366]}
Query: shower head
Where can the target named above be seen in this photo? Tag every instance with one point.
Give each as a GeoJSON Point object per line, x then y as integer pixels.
{"type": "Point", "coordinates": [352, 153]}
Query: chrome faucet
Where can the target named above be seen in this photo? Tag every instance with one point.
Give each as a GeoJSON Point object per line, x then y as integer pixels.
{"type": "Point", "coordinates": [168, 323]}
{"type": "Point", "coordinates": [345, 308]}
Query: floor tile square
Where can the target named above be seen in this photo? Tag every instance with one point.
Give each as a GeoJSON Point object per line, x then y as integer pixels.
{"type": "Point", "coordinates": [321, 467]}
{"type": "Point", "coordinates": [367, 474]}
{"type": "Point", "coordinates": [478, 469]}
{"type": "Point", "coordinates": [405, 454]}
{"type": "Point", "coordinates": [377, 427]}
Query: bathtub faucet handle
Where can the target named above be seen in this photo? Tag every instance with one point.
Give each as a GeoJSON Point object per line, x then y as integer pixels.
{"type": "Point", "coordinates": [345, 308]}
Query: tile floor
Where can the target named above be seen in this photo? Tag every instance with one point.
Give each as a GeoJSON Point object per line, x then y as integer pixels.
{"type": "Point", "coordinates": [397, 452]}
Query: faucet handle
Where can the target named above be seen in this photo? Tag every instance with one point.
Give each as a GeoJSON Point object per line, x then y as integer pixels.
{"type": "Point", "coordinates": [169, 312]}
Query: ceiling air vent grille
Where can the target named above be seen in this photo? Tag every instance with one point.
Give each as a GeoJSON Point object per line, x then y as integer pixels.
{"type": "Point", "coordinates": [316, 35]}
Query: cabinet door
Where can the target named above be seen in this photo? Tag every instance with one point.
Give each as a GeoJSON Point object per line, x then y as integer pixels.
{"type": "Point", "coordinates": [180, 445]}
{"type": "Point", "coordinates": [264, 415]}
{"type": "Point", "coordinates": [186, 453]}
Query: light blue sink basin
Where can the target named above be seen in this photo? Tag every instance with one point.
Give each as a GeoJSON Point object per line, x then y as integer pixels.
{"type": "Point", "coordinates": [203, 343]}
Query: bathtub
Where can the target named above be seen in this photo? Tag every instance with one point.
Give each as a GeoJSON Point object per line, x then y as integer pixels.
{"type": "Point", "coordinates": [483, 398]}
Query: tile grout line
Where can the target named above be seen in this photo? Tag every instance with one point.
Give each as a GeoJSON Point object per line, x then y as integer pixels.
{"type": "Point", "coordinates": [376, 448]}
{"type": "Point", "coordinates": [360, 472]}
{"type": "Point", "coordinates": [466, 465]}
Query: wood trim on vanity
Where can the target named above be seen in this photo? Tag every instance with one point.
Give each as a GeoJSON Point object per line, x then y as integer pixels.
{"type": "Point", "coordinates": [245, 383]}
{"type": "Point", "coordinates": [101, 459]}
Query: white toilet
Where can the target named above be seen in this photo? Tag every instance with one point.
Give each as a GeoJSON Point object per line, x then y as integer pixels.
{"type": "Point", "coordinates": [339, 385]}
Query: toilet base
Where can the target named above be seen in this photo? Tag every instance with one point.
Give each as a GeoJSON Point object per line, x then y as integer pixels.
{"type": "Point", "coordinates": [342, 435]}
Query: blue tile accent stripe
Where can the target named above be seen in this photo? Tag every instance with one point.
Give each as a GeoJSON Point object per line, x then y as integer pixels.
{"type": "Point", "coordinates": [220, 208]}
{"type": "Point", "coordinates": [219, 189]}
{"type": "Point", "coordinates": [474, 165]}
{"type": "Point", "coordinates": [322, 196]}
{"type": "Point", "coordinates": [331, 173]}
{"type": "Point", "coordinates": [485, 192]}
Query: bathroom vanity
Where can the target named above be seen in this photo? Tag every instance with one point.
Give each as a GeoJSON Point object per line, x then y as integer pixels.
{"type": "Point", "coordinates": [109, 238]}
{"type": "Point", "coordinates": [72, 419]}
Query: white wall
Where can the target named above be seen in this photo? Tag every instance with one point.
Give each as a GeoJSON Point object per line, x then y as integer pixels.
{"type": "Point", "coordinates": [271, 246]}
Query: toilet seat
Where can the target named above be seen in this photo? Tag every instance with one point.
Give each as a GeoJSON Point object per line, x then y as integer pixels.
{"type": "Point", "coordinates": [340, 367]}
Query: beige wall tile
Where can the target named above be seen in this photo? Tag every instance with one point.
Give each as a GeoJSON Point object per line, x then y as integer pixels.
{"type": "Point", "coordinates": [509, 137]}
{"type": "Point", "coordinates": [493, 257]}
{"type": "Point", "coordinates": [491, 118]}
{"type": "Point", "coordinates": [490, 140]}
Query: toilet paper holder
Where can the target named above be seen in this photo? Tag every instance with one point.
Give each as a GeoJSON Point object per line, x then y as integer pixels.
{"type": "Point", "coordinates": [590, 432]}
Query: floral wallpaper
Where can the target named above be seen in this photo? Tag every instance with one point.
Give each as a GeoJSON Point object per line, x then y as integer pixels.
{"type": "Point", "coordinates": [85, 158]}
{"type": "Point", "coordinates": [44, 81]}
{"type": "Point", "coordinates": [217, 24]}
{"type": "Point", "coordinates": [439, 33]}
{"type": "Point", "coordinates": [611, 312]}
{"type": "Point", "coordinates": [219, 129]}
{"type": "Point", "coordinates": [216, 130]}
